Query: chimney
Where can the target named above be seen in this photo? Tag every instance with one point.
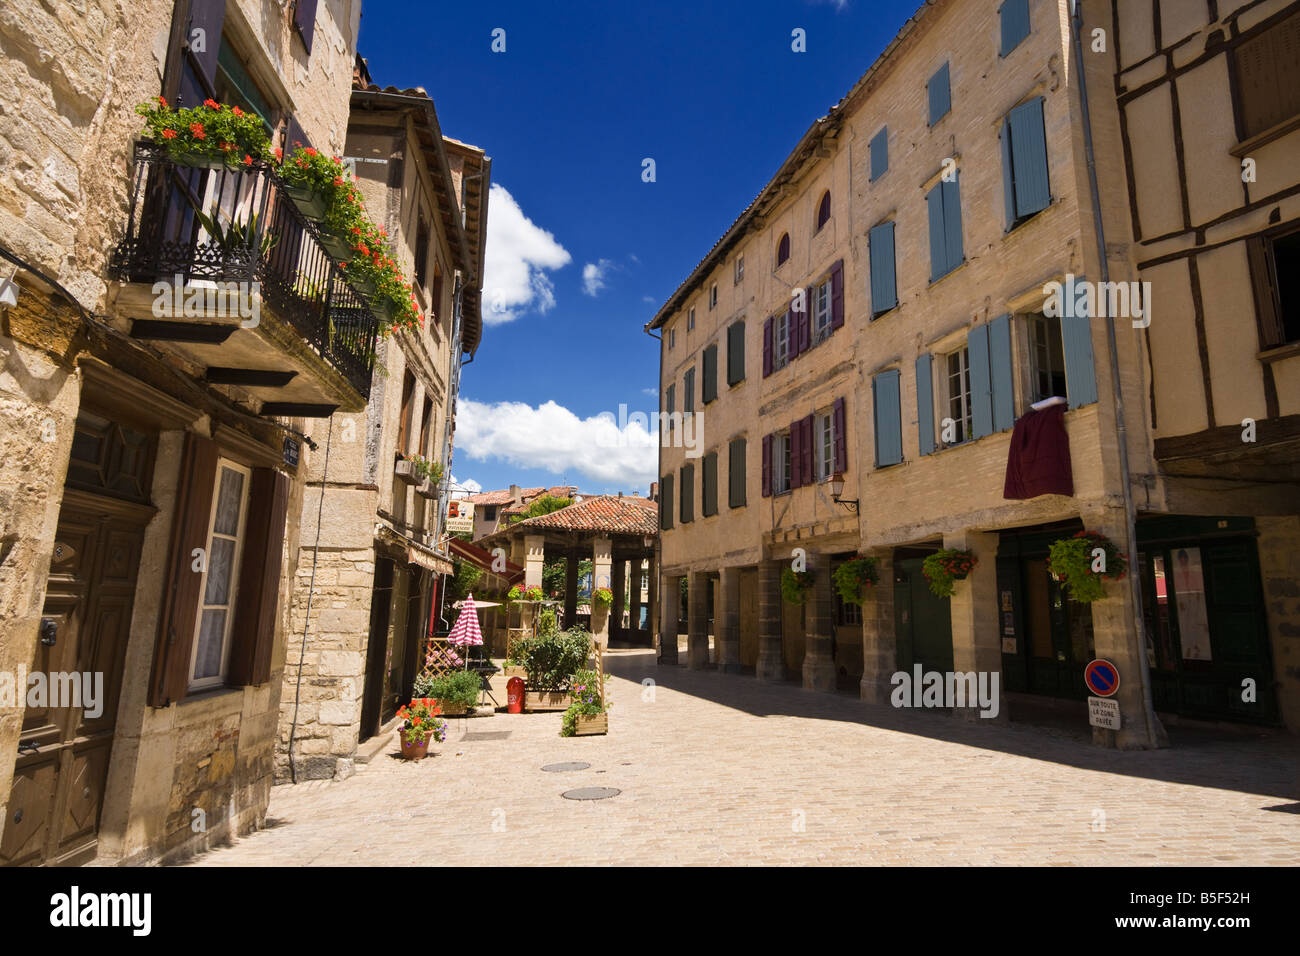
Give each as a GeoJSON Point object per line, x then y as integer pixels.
{"type": "Point", "coordinates": [654, 490]}
{"type": "Point", "coordinates": [514, 495]}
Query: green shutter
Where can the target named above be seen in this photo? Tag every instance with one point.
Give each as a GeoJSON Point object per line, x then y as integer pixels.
{"type": "Point", "coordinates": [688, 390]}
{"type": "Point", "coordinates": [686, 511]}
{"type": "Point", "coordinates": [709, 479]}
{"type": "Point", "coordinates": [888, 418]}
{"type": "Point", "coordinates": [736, 353]}
{"type": "Point", "coordinates": [736, 473]}
{"type": "Point", "coordinates": [710, 384]}
{"type": "Point", "coordinates": [925, 403]}
{"type": "Point", "coordinates": [666, 502]}
{"type": "Point", "coordinates": [1004, 412]}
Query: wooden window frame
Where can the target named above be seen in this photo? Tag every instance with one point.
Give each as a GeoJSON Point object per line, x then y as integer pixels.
{"type": "Point", "coordinates": [231, 606]}
{"type": "Point", "coordinates": [962, 398]}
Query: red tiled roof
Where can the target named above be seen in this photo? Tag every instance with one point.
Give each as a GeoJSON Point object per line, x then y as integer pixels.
{"type": "Point", "coordinates": [482, 558]}
{"type": "Point", "coordinates": [610, 513]}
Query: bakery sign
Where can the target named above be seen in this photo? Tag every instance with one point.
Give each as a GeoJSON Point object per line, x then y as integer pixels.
{"type": "Point", "coordinates": [460, 516]}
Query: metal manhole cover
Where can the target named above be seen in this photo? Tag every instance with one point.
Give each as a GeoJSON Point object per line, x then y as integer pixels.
{"type": "Point", "coordinates": [487, 735]}
{"type": "Point", "coordinates": [562, 767]}
{"type": "Point", "coordinates": [591, 793]}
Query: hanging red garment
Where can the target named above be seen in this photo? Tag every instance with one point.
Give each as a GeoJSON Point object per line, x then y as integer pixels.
{"type": "Point", "coordinates": [1039, 460]}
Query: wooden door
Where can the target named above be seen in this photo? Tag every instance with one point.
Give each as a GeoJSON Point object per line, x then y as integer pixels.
{"type": "Point", "coordinates": [66, 742]}
{"type": "Point", "coordinates": [922, 621]}
{"type": "Point", "coordinates": [376, 648]}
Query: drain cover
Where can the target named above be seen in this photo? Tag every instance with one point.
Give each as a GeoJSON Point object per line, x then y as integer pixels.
{"type": "Point", "coordinates": [591, 793]}
{"type": "Point", "coordinates": [562, 767]}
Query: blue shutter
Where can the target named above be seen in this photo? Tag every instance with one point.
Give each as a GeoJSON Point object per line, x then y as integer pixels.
{"type": "Point", "coordinates": [1015, 24]}
{"type": "Point", "coordinates": [1076, 343]}
{"type": "Point", "coordinates": [888, 418]}
{"type": "Point", "coordinates": [938, 246]}
{"type": "Point", "coordinates": [925, 403]}
{"type": "Point", "coordinates": [1008, 184]}
{"type": "Point", "coordinates": [880, 245]}
{"type": "Point", "coordinates": [940, 94]}
{"type": "Point", "coordinates": [981, 395]}
{"type": "Point", "coordinates": [879, 153]}
{"type": "Point", "coordinates": [952, 223]}
{"type": "Point", "coordinates": [1004, 413]}
{"type": "Point", "coordinates": [1029, 158]}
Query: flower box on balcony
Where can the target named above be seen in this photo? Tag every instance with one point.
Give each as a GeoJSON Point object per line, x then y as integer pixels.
{"type": "Point", "coordinates": [337, 247]}
{"type": "Point", "coordinates": [427, 489]}
{"type": "Point", "coordinates": [198, 161]}
{"type": "Point", "coordinates": [405, 471]}
{"type": "Point", "coordinates": [309, 202]}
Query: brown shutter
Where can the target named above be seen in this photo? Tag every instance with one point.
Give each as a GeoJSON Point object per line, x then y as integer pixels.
{"type": "Point", "coordinates": [837, 294]}
{"type": "Point", "coordinates": [767, 466]}
{"type": "Point", "coordinates": [178, 619]}
{"type": "Point", "coordinates": [809, 450]}
{"type": "Point", "coordinates": [767, 347]}
{"type": "Point", "coordinates": [838, 438]}
{"type": "Point", "coordinates": [259, 578]}
{"type": "Point", "coordinates": [1261, 277]}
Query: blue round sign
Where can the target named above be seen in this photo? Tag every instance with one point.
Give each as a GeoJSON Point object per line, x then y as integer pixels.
{"type": "Point", "coordinates": [1102, 677]}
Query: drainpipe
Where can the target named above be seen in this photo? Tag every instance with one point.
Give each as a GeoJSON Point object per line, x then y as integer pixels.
{"type": "Point", "coordinates": [1121, 430]}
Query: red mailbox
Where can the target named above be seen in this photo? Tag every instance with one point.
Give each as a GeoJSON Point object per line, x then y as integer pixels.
{"type": "Point", "coordinates": [515, 695]}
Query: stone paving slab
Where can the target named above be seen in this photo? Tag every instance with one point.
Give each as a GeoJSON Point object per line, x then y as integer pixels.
{"type": "Point", "coordinates": [723, 769]}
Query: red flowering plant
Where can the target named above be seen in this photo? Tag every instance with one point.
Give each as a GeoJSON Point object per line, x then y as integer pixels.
{"type": "Point", "coordinates": [1083, 561]}
{"type": "Point", "coordinates": [945, 568]}
{"type": "Point", "coordinates": [420, 720]}
{"type": "Point", "coordinates": [311, 170]}
{"type": "Point", "coordinates": [210, 131]}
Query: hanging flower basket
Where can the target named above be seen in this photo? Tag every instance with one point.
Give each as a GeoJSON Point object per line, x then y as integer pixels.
{"type": "Point", "coordinates": [602, 597]}
{"type": "Point", "coordinates": [795, 585]}
{"type": "Point", "coordinates": [945, 568]}
{"type": "Point", "coordinates": [852, 577]}
{"type": "Point", "coordinates": [1083, 562]}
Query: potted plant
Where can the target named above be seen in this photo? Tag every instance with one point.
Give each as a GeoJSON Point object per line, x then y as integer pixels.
{"type": "Point", "coordinates": [945, 568]}
{"type": "Point", "coordinates": [211, 135]}
{"type": "Point", "coordinates": [851, 577]}
{"type": "Point", "coordinates": [1075, 562]}
{"type": "Point", "coordinates": [420, 724]}
{"type": "Point", "coordinates": [455, 691]}
{"type": "Point", "coordinates": [405, 469]}
{"type": "Point", "coordinates": [795, 585]}
{"type": "Point", "coordinates": [588, 714]}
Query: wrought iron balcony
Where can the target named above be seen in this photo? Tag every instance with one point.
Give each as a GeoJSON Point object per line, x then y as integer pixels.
{"type": "Point", "coordinates": [225, 224]}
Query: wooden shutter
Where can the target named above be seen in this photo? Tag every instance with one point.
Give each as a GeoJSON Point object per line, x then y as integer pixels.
{"type": "Point", "coordinates": [1268, 77]}
{"type": "Point", "coordinates": [304, 20]}
{"type": "Point", "coordinates": [938, 245]}
{"type": "Point", "coordinates": [178, 616]}
{"type": "Point", "coordinates": [1076, 344]}
{"type": "Point", "coordinates": [952, 222]}
{"type": "Point", "coordinates": [1004, 412]}
{"type": "Point", "coordinates": [1014, 15]}
{"type": "Point", "coordinates": [837, 294]}
{"type": "Point", "coordinates": [796, 438]}
{"type": "Point", "coordinates": [687, 512]}
{"type": "Point", "coordinates": [736, 474]}
{"type": "Point", "coordinates": [672, 398]}
{"type": "Point", "coordinates": [809, 450]}
{"type": "Point", "coordinates": [709, 478]}
{"type": "Point", "coordinates": [888, 418]}
{"type": "Point", "coordinates": [710, 385]}
{"type": "Point", "coordinates": [880, 247]}
{"type": "Point", "coordinates": [688, 390]}
{"type": "Point", "coordinates": [940, 94]}
{"type": "Point", "coordinates": [981, 389]}
{"type": "Point", "coordinates": [199, 49]}
{"type": "Point", "coordinates": [767, 347]}
{"type": "Point", "coordinates": [879, 153]}
{"type": "Point", "coordinates": [1008, 175]}
{"type": "Point", "coordinates": [736, 353]}
{"type": "Point", "coordinates": [253, 634]}
{"type": "Point", "coordinates": [925, 403]}
{"type": "Point", "coordinates": [666, 502]}
{"type": "Point", "coordinates": [1261, 276]}
{"type": "Point", "coordinates": [839, 438]}
{"type": "Point", "coordinates": [767, 466]}
{"type": "Point", "coordinates": [792, 337]}
{"type": "Point", "coordinates": [1029, 158]}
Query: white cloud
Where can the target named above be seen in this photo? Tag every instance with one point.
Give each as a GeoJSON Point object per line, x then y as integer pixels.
{"type": "Point", "coordinates": [650, 391]}
{"type": "Point", "coordinates": [519, 254]}
{"type": "Point", "coordinates": [553, 438]}
{"type": "Point", "coordinates": [463, 489]}
{"type": "Point", "coordinates": [594, 275]}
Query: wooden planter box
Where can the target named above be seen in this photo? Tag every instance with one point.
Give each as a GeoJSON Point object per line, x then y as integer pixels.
{"type": "Point", "coordinates": [590, 724]}
{"type": "Point", "coordinates": [539, 700]}
{"type": "Point", "coordinates": [405, 471]}
{"type": "Point", "coordinates": [451, 710]}
{"type": "Point", "coordinates": [427, 489]}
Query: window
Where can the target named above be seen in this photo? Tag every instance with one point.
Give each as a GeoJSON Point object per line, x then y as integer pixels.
{"type": "Point", "coordinates": [847, 614]}
{"type": "Point", "coordinates": [688, 391]}
{"type": "Point", "coordinates": [740, 268]}
{"type": "Point", "coordinates": [821, 311]}
{"type": "Point", "coordinates": [1014, 16]}
{"type": "Point", "coordinates": [220, 576]}
{"type": "Point", "coordinates": [1046, 358]}
{"type": "Point", "coordinates": [686, 512]}
{"type": "Point", "coordinates": [489, 512]}
{"type": "Point", "coordinates": [940, 94]}
{"type": "Point", "coordinates": [824, 436]}
{"type": "Point", "coordinates": [1274, 263]}
{"type": "Point", "coordinates": [736, 353]}
{"type": "Point", "coordinates": [710, 384]}
{"type": "Point", "coordinates": [422, 253]}
{"type": "Point", "coordinates": [783, 249]}
{"type": "Point", "coordinates": [823, 211]}
{"type": "Point", "coordinates": [690, 319]}
{"type": "Point", "coordinates": [944, 207]}
{"type": "Point", "coordinates": [781, 341]}
{"type": "Point", "coordinates": [713, 296]}
{"type": "Point", "coordinates": [781, 463]}
{"type": "Point", "coordinates": [884, 290]}
{"type": "Point", "coordinates": [1268, 78]}
{"type": "Point", "coordinates": [1024, 162]}
{"type": "Point", "coordinates": [959, 404]}
{"type": "Point", "coordinates": [887, 415]}
{"type": "Point", "coordinates": [709, 483]}
{"type": "Point", "coordinates": [736, 473]}
{"type": "Point", "coordinates": [879, 148]}
{"type": "Point", "coordinates": [666, 503]}
{"type": "Point", "coordinates": [408, 410]}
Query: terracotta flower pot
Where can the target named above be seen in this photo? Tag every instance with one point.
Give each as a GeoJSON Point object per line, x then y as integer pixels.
{"type": "Point", "coordinates": [416, 749]}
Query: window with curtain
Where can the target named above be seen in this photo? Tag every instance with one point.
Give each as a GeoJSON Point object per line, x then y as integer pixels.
{"type": "Point", "coordinates": [221, 573]}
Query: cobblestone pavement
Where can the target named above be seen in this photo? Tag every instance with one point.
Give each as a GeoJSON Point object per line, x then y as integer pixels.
{"type": "Point", "coordinates": [721, 769]}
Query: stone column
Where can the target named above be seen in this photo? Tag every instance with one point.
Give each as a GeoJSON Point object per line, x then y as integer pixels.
{"type": "Point", "coordinates": [601, 561]}
{"type": "Point", "coordinates": [667, 606]}
{"type": "Point", "coordinates": [879, 642]}
{"type": "Point", "coordinates": [618, 584]}
{"type": "Point", "coordinates": [652, 600]}
{"type": "Point", "coordinates": [727, 623]}
{"type": "Point", "coordinates": [570, 589]}
{"type": "Point", "coordinates": [1116, 637]}
{"type": "Point", "coordinates": [771, 660]}
{"type": "Point", "coordinates": [534, 556]}
{"type": "Point", "coordinates": [819, 624]}
{"type": "Point", "coordinates": [976, 636]}
{"type": "Point", "coordinates": [634, 596]}
{"type": "Point", "coordinates": [697, 621]}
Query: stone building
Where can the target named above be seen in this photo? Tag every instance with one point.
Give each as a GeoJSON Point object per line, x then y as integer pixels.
{"type": "Point", "coordinates": [370, 570]}
{"type": "Point", "coordinates": [881, 314]}
{"type": "Point", "coordinates": [493, 510]}
{"type": "Point", "coordinates": [153, 464]}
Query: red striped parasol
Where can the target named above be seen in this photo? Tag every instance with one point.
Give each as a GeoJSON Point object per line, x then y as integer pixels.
{"type": "Point", "coordinates": [466, 631]}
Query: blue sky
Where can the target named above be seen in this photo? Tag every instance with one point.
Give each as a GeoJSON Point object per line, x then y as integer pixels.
{"type": "Point", "coordinates": [581, 251]}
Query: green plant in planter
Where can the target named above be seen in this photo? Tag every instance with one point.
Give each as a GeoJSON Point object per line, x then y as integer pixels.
{"type": "Point", "coordinates": [426, 469]}
{"type": "Point", "coordinates": [854, 575]}
{"type": "Point", "coordinates": [1072, 561]}
{"type": "Point", "coordinates": [214, 132]}
{"type": "Point", "coordinates": [795, 585]}
{"type": "Point", "coordinates": [550, 660]}
{"type": "Point", "coordinates": [588, 701]}
{"type": "Point", "coordinates": [602, 597]}
{"type": "Point", "coordinates": [945, 568]}
{"type": "Point", "coordinates": [547, 622]}
{"type": "Point", "coordinates": [456, 687]}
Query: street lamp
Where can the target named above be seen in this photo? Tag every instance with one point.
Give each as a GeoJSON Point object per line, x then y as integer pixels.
{"type": "Point", "coordinates": [837, 488]}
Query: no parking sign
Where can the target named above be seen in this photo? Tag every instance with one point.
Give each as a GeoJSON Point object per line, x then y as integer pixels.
{"type": "Point", "coordinates": [1102, 677]}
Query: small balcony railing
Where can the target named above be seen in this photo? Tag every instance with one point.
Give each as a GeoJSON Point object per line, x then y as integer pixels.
{"type": "Point", "coordinates": [261, 237]}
